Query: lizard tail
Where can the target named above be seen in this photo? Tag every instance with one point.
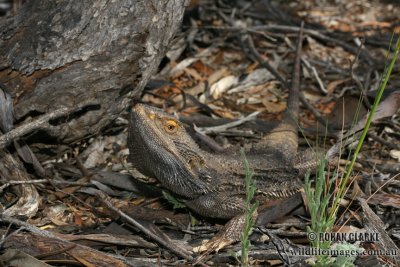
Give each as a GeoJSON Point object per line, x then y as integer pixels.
{"type": "Point", "coordinates": [292, 113]}
{"type": "Point", "coordinates": [284, 137]}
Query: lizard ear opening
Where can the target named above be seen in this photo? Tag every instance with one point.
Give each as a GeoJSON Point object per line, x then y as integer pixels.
{"type": "Point", "coordinates": [171, 126]}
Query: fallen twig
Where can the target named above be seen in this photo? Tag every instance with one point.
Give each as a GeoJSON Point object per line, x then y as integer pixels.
{"type": "Point", "coordinates": [165, 241]}
{"type": "Point", "coordinates": [224, 127]}
{"type": "Point", "coordinates": [40, 123]}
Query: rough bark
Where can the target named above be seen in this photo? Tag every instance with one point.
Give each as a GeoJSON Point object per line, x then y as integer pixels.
{"type": "Point", "coordinates": [56, 54]}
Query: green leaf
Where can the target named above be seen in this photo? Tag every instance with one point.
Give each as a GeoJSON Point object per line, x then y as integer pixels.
{"type": "Point", "coordinates": [171, 199]}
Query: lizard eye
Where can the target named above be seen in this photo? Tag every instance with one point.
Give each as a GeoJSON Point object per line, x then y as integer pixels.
{"type": "Point", "coordinates": [170, 126]}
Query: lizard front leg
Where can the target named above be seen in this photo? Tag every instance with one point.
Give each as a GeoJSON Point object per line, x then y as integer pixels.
{"type": "Point", "coordinates": [225, 206]}
{"type": "Point", "coordinates": [229, 234]}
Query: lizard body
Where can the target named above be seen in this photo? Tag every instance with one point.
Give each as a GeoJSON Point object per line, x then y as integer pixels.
{"type": "Point", "coordinates": [211, 184]}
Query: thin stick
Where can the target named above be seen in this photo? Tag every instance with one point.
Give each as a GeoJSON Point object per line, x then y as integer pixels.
{"type": "Point", "coordinates": [179, 251]}
{"type": "Point", "coordinates": [40, 123]}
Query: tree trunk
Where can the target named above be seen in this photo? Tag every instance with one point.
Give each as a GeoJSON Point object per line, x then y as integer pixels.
{"type": "Point", "coordinates": [58, 54]}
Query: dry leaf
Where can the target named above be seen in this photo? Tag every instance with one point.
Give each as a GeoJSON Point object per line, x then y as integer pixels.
{"type": "Point", "coordinates": [395, 154]}
{"type": "Point", "coordinates": [203, 69]}
{"type": "Point", "coordinates": [94, 153]}
{"type": "Point", "coordinates": [348, 229]}
{"type": "Point", "coordinates": [223, 85]}
{"type": "Point", "coordinates": [392, 200]}
{"type": "Point", "coordinates": [193, 72]}
{"type": "Point", "coordinates": [56, 214]}
{"type": "Point", "coordinates": [257, 77]}
{"type": "Point", "coordinates": [386, 108]}
{"type": "Point", "coordinates": [273, 107]}
{"type": "Point", "coordinates": [332, 85]}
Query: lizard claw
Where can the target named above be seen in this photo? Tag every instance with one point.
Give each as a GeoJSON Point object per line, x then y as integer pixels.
{"type": "Point", "coordinates": [228, 235]}
{"type": "Point", "coordinates": [215, 244]}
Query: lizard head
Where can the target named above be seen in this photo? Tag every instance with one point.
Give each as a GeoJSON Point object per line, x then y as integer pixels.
{"type": "Point", "coordinates": [160, 147]}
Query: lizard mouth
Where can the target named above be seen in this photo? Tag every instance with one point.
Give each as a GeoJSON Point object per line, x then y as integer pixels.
{"type": "Point", "coordinates": [138, 109]}
{"type": "Point", "coordinates": [143, 119]}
